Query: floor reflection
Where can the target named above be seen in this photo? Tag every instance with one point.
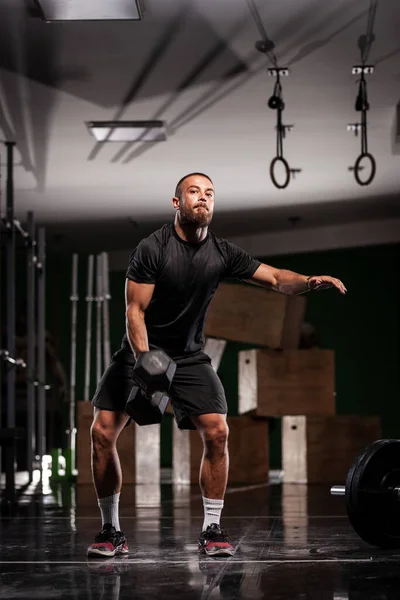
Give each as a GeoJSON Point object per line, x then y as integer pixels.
{"type": "Point", "coordinates": [292, 542]}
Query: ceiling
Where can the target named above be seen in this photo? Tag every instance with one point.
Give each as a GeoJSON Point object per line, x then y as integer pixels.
{"type": "Point", "coordinates": [193, 64]}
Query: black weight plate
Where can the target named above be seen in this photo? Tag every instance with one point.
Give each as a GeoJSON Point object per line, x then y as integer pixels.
{"type": "Point", "coordinates": [372, 510]}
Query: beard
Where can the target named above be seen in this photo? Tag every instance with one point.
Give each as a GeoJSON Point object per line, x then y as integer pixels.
{"type": "Point", "coordinates": [190, 216]}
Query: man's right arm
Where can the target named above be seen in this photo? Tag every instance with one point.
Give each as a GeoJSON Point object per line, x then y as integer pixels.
{"type": "Point", "coordinates": [137, 299]}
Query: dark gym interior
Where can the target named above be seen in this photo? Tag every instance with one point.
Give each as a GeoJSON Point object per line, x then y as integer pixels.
{"type": "Point", "coordinates": [292, 107]}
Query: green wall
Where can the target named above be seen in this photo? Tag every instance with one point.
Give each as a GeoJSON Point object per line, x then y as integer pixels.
{"type": "Point", "coordinates": [362, 327]}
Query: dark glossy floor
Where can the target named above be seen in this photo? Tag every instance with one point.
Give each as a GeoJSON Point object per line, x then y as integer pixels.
{"type": "Point", "coordinates": [292, 542]}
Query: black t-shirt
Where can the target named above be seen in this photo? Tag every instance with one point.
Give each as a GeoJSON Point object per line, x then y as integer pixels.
{"type": "Point", "coordinates": [186, 276]}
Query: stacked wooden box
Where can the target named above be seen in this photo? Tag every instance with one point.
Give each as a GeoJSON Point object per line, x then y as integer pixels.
{"type": "Point", "coordinates": [281, 380]}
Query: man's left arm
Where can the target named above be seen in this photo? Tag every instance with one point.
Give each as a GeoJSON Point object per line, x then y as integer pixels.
{"type": "Point", "coordinates": [291, 283]}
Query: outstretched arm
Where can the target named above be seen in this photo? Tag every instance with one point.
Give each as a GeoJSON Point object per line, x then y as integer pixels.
{"type": "Point", "coordinates": [290, 283]}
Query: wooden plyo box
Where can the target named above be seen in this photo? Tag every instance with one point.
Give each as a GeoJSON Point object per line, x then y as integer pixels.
{"type": "Point", "coordinates": [289, 382]}
{"type": "Point", "coordinates": [125, 445]}
{"type": "Point", "coordinates": [251, 314]}
{"type": "Point", "coordinates": [322, 449]}
{"type": "Point", "coordinates": [248, 451]}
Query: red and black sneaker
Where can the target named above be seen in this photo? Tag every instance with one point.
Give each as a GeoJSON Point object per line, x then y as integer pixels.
{"type": "Point", "coordinates": [108, 542]}
{"type": "Point", "coordinates": [214, 541]}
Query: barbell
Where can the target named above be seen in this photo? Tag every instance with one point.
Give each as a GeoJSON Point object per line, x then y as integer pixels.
{"type": "Point", "coordinates": [372, 494]}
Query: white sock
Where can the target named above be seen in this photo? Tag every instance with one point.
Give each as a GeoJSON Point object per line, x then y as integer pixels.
{"type": "Point", "coordinates": [109, 510]}
{"type": "Point", "coordinates": [212, 511]}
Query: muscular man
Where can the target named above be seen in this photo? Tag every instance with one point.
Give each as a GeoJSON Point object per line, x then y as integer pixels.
{"type": "Point", "coordinates": [170, 281]}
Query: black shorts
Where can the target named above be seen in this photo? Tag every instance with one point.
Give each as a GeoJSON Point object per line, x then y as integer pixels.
{"type": "Point", "coordinates": [195, 390]}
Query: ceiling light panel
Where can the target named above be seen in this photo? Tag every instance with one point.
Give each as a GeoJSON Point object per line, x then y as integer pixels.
{"type": "Point", "coordinates": [89, 10]}
{"type": "Point", "coordinates": [128, 131]}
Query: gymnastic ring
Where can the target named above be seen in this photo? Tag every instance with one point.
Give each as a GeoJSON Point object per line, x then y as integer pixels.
{"type": "Point", "coordinates": [272, 172]}
{"type": "Point", "coordinates": [357, 168]}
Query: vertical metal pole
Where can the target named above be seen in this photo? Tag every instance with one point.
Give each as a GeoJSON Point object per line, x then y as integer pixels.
{"type": "Point", "coordinates": [1, 317]}
{"type": "Point", "coordinates": [41, 344]}
{"type": "Point", "coordinates": [106, 316]}
{"type": "Point", "coordinates": [10, 258]}
{"type": "Point", "coordinates": [99, 298]}
{"type": "Point", "coordinates": [70, 459]}
{"type": "Point", "coordinates": [89, 300]}
{"type": "Point", "coordinates": [31, 334]}
{"type": "Point", "coordinates": [74, 300]}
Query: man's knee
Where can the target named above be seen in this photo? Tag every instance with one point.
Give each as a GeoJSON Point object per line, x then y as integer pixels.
{"type": "Point", "coordinates": [216, 436]}
{"type": "Point", "coordinates": [102, 437]}
{"type": "Point", "coordinates": [106, 427]}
